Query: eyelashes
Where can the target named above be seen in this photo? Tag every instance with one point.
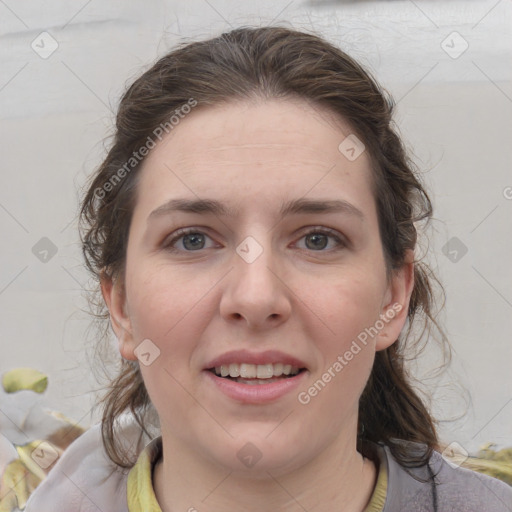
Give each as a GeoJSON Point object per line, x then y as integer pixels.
{"type": "Point", "coordinates": [181, 234]}
{"type": "Point", "coordinates": [194, 237]}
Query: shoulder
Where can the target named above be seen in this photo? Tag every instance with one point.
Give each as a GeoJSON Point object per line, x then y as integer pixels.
{"type": "Point", "coordinates": [84, 478]}
{"type": "Point", "coordinates": [457, 489]}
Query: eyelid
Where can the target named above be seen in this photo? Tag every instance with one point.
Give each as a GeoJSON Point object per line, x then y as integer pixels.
{"type": "Point", "coordinates": [341, 241]}
{"type": "Point", "coordinates": [180, 233]}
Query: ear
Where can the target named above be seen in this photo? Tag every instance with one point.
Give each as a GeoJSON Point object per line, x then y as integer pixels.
{"type": "Point", "coordinates": [114, 295]}
{"type": "Point", "coordinates": [396, 303]}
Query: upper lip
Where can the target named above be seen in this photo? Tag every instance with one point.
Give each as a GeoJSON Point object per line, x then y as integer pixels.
{"type": "Point", "coordinates": [245, 356]}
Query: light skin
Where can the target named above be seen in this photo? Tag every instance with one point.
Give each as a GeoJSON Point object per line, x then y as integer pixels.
{"type": "Point", "coordinates": [306, 296]}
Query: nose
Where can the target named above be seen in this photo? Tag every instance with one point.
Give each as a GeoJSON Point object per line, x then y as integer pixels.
{"type": "Point", "coordinates": [255, 293]}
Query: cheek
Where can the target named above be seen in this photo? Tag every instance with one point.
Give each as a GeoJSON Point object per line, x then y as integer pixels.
{"type": "Point", "coordinates": [166, 308]}
{"type": "Point", "coordinates": [350, 307]}
{"type": "Point", "coordinates": [170, 308]}
{"type": "Point", "coordinates": [163, 301]}
{"type": "Point", "coordinates": [346, 362]}
{"type": "Point", "coordinates": [350, 304]}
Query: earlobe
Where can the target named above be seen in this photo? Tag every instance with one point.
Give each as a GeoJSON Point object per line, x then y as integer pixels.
{"type": "Point", "coordinates": [396, 305]}
{"type": "Point", "coordinates": [114, 295]}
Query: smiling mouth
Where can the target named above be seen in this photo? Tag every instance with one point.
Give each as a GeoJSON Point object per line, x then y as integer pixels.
{"type": "Point", "coordinates": [256, 373]}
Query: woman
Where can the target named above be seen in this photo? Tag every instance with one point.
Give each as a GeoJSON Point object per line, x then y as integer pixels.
{"type": "Point", "coordinates": [253, 232]}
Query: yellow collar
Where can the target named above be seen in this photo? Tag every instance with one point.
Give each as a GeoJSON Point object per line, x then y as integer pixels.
{"type": "Point", "coordinates": [141, 496]}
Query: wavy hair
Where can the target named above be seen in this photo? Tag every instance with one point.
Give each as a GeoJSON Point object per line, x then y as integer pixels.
{"type": "Point", "coordinates": [273, 63]}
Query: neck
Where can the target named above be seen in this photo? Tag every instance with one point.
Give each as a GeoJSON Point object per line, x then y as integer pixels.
{"type": "Point", "coordinates": [338, 478]}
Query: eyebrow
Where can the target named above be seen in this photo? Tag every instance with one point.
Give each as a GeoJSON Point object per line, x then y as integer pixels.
{"type": "Point", "coordinates": [295, 206]}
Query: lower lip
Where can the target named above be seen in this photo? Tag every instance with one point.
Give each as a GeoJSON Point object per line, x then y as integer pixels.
{"type": "Point", "coordinates": [256, 393]}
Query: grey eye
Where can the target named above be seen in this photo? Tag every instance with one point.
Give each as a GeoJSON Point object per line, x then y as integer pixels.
{"type": "Point", "coordinates": [193, 241]}
{"type": "Point", "coordinates": [318, 241]}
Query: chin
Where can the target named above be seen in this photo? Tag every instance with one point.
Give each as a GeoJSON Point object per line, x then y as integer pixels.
{"type": "Point", "coordinates": [254, 456]}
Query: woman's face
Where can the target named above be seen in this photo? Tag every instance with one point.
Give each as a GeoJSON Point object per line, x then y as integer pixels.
{"type": "Point", "coordinates": [282, 267]}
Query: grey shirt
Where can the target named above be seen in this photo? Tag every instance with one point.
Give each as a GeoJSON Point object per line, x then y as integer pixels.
{"type": "Point", "coordinates": [85, 480]}
{"type": "Point", "coordinates": [456, 489]}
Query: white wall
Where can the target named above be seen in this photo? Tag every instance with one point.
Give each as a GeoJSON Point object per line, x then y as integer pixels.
{"type": "Point", "coordinates": [454, 112]}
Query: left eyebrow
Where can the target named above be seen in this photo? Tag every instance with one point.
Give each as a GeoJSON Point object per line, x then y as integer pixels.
{"type": "Point", "coordinates": [298, 206]}
{"type": "Point", "coordinates": [293, 207]}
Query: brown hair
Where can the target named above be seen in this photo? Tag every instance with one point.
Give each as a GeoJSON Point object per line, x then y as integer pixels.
{"type": "Point", "coordinates": [272, 62]}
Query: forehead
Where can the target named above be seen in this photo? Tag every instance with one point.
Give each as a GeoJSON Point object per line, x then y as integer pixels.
{"type": "Point", "coordinates": [246, 149]}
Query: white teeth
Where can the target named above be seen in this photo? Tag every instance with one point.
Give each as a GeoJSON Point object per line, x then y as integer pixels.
{"type": "Point", "coordinates": [278, 369]}
{"type": "Point", "coordinates": [265, 371]}
{"type": "Point", "coordinates": [255, 371]}
{"type": "Point", "coordinates": [248, 371]}
{"type": "Point", "coordinates": [234, 370]}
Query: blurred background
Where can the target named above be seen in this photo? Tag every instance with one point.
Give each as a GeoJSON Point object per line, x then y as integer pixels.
{"type": "Point", "coordinates": [64, 66]}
